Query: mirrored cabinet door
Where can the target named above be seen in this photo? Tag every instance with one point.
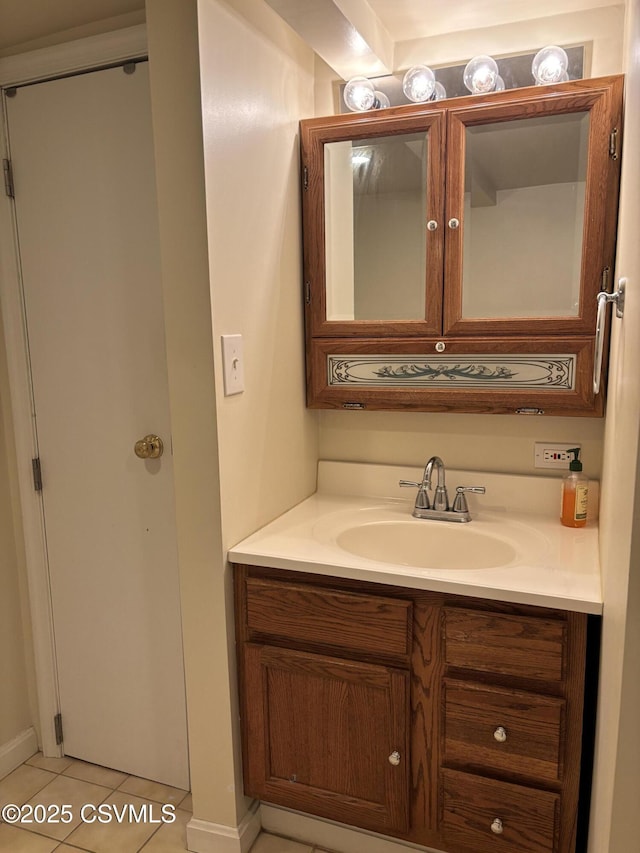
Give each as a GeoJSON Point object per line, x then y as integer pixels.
{"type": "Point", "coordinates": [527, 194]}
{"type": "Point", "coordinates": [454, 252]}
{"type": "Point", "coordinates": [373, 233]}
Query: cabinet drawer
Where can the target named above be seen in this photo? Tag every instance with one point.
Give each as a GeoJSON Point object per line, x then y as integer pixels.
{"type": "Point", "coordinates": [524, 820]}
{"type": "Point", "coordinates": [504, 731]}
{"type": "Point", "coordinates": [527, 647]}
{"type": "Point", "coordinates": [347, 621]}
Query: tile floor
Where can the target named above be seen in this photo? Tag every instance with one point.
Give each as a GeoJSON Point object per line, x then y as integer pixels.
{"type": "Point", "coordinates": [67, 781]}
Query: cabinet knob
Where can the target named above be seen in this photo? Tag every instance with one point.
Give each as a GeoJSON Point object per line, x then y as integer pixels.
{"type": "Point", "coordinates": [500, 734]}
{"type": "Point", "coordinates": [454, 223]}
{"type": "Point", "coordinates": [432, 225]}
{"type": "Point", "coordinates": [497, 827]}
{"type": "Point", "coordinates": [394, 758]}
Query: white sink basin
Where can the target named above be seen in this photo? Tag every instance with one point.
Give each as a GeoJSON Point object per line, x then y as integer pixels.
{"type": "Point", "coordinates": [426, 545]}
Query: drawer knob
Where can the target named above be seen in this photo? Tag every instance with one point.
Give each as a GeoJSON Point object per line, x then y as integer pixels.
{"type": "Point", "coordinates": [394, 758]}
{"type": "Point", "coordinates": [497, 826]}
{"type": "Point", "coordinates": [500, 734]}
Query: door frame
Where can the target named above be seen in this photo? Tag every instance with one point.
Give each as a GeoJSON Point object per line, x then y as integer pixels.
{"type": "Point", "coordinates": [68, 58]}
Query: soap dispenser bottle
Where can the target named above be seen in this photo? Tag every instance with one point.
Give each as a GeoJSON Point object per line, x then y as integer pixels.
{"type": "Point", "coordinates": [575, 489]}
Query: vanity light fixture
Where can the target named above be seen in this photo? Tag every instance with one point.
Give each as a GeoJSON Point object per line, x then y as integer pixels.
{"type": "Point", "coordinates": [439, 92]}
{"type": "Point", "coordinates": [419, 83]}
{"type": "Point", "coordinates": [381, 101]}
{"type": "Point", "coordinates": [480, 74]}
{"type": "Point", "coordinates": [359, 94]}
{"type": "Point", "coordinates": [550, 65]}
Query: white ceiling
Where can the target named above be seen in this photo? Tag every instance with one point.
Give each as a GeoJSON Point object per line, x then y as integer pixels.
{"type": "Point", "coordinates": [376, 37]}
{"type": "Point", "coordinates": [412, 19]}
{"type": "Point", "coordinates": [24, 21]}
{"type": "Point", "coordinates": [352, 36]}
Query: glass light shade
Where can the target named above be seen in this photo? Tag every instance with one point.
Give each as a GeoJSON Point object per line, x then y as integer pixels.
{"type": "Point", "coordinates": [499, 87]}
{"type": "Point", "coordinates": [439, 92]}
{"type": "Point", "coordinates": [419, 83]}
{"type": "Point", "coordinates": [480, 74]}
{"type": "Point", "coordinates": [381, 102]}
{"type": "Point", "coordinates": [359, 94]}
{"type": "Point", "coordinates": [549, 64]}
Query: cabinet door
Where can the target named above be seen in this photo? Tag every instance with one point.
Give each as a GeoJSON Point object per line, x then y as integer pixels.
{"type": "Point", "coordinates": [372, 214]}
{"type": "Point", "coordinates": [327, 736]}
{"type": "Point", "coordinates": [531, 211]}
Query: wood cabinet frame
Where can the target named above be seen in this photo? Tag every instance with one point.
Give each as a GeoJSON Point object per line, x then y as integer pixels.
{"type": "Point", "coordinates": [550, 644]}
{"type": "Point", "coordinates": [443, 324]}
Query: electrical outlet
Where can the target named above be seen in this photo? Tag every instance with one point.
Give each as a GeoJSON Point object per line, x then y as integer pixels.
{"type": "Point", "coordinates": [551, 454]}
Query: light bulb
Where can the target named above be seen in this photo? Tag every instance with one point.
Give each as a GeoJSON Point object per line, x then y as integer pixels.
{"type": "Point", "coordinates": [359, 94]}
{"type": "Point", "coordinates": [419, 83]}
{"type": "Point", "coordinates": [499, 87]}
{"type": "Point", "coordinates": [549, 64]}
{"type": "Point", "coordinates": [480, 74]}
{"type": "Point", "coordinates": [381, 102]}
{"type": "Point", "coordinates": [439, 92]}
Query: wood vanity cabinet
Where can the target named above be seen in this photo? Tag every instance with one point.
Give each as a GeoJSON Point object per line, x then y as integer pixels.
{"type": "Point", "coordinates": [453, 252]}
{"type": "Point", "coordinates": [451, 722]}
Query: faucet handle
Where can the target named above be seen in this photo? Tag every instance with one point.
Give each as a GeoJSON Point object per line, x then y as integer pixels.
{"type": "Point", "coordinates": [460, 502]}
{"type": "Point", "coordinates": [422, 498]}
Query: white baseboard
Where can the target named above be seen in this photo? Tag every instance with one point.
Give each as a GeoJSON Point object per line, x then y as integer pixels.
{"type": "Point", "coordinates": [330, 835]}
{"type": "Point", "coordinates": [16, 751]}
{"type": "Point", "coordinates": [206, 837]}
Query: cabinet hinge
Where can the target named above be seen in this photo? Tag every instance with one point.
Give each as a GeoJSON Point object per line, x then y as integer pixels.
{"type": "Point", "coordinates": [604, 281]}
{"type": "Point", "coordinates": [37, 474]}
{"type": "Point", "coordinates": [305, 178]}
{"type": "Point", "coordinates": [8, 178]}
{"type": "Point", "coordinates": [307, 292]}
{"type": "Point", "coordinates": [57, 724]}
{"type": "Point", "coordinates": [613, 144]}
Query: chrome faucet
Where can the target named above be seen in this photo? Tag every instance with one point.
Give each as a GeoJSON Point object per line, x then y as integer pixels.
{"type": "Point", "coordinates": [440, 498]}
{"type": "Point", "coordinates": [439, 509]}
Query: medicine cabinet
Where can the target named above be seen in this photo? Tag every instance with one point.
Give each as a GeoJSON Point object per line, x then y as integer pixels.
{"type": "Point", "coordinates": [453, 252]}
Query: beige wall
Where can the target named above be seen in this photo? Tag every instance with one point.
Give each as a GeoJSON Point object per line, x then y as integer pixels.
{"type": "Point", "coordinates": [257, 82]}
{"type": "Point", "coordinates": [15, 712]}
{"type": "Point", "coordinates": [615, 819]}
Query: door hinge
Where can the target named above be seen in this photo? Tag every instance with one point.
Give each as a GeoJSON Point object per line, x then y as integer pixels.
{"type": "Point", "coordinates": [57, 724]}
{"type": "Point", "coordinates": [8, 178]}
{"type": "Point", "coordinates": [307, 292]}
{"type": "Point", "coordinates": [305, 178]}
{"type": "Point", "coordinates": [37, 474]}
{"type": "Point", "coordinates": [613, 144]}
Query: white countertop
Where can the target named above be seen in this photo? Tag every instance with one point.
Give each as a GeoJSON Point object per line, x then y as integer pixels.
{"type": "Point", "coordinates": [553, 566]}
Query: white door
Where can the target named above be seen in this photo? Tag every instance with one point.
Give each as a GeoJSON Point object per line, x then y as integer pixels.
{"type": "Point", "coordinates": [82, 155]}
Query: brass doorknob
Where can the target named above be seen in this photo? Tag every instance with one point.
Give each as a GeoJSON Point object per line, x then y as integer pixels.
{"type": "Point", "coordinates": [149, 447]}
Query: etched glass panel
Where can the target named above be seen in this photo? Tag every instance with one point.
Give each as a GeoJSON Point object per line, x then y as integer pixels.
{"type": "Point", "coordinates": [524, 216]}
{"type": "Point", "coordinates": [375, 218]}
{"type": "Point", "coordinates": [551, 372]}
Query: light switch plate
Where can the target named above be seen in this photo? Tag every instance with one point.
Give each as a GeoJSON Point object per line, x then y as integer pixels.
{"type": "Point", "coordinates": [232, 364]}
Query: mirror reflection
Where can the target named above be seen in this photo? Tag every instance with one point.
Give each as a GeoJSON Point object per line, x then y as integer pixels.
{"type": "Point", "coordinates": [375, 238]}
{"type": "Point", "coordinates": [523, 217]}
